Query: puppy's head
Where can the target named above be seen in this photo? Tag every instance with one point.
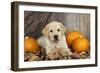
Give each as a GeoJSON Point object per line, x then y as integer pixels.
{"type": "Point", "coordinates": [54, 31]}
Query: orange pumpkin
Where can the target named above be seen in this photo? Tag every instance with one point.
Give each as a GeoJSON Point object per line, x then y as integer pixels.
{"type": "Point", "coordinates": [30, 44]}
{"type": "Point", "coordinates": [80, 45]}
{"type": "Point", "coordinates": [71, 36]}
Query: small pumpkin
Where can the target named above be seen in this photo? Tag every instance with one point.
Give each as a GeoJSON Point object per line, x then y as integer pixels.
{"type": "Point", "coordinates": [30, 44]}
{"type": "Point", "coordinates": [71, 36]}
{"type": "Point", "coordinates": [80, 45]}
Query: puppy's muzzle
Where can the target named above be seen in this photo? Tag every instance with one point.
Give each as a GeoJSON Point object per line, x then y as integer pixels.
{"type": "Point", "coordinates": [56, 37]}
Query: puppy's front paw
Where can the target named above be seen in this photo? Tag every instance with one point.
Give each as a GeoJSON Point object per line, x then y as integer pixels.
{"type": "Point", "coordinates": [65, 53]}
{"type": "Point", "coordinates": [54, 55]}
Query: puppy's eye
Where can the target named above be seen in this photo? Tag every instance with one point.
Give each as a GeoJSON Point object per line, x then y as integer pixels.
{"type": "Point", "coordinates": [58, 30]}
{"type": "Point", "coordinates": [51, 31]}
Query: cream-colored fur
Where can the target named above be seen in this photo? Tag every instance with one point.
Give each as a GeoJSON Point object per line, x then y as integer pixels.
{"type": "Point", "coordinates": [50, 43]}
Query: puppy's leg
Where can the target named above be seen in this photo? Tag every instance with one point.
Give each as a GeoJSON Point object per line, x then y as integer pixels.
{"type": "Point", "coordinates": [65, 47]}
{"type": "Point", "coordinates": [65, 51]}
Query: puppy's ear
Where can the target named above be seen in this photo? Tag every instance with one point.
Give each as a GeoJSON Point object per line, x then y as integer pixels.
{"type": "Point", "coordinates": [63, 28]}
{"type": "Point", "coordinates": [45, 31]}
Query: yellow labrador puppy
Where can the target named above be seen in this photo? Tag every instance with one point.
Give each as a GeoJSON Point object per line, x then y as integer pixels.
{"type": "Point", "coordinates": [53, 40]}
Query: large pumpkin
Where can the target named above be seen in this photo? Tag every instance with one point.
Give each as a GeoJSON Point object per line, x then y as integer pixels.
{"type": "Point", "coordinates": [71, 36]}
{"type": "Point", "coordinates": [80, 45]}
{"type": "Point", "coordinates": [30, 44]}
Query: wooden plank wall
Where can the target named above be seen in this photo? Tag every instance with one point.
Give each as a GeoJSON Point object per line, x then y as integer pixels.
{"type": "Point", "coordinates": [35, 21]}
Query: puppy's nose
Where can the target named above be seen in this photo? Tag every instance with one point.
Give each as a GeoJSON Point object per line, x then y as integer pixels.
{"type": "Point", "coordinates": [56, 37]}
